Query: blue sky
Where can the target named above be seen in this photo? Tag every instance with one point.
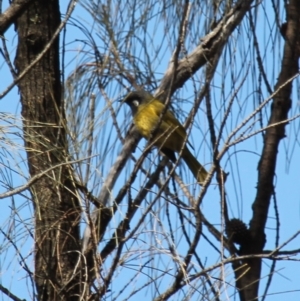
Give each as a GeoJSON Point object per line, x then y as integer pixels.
{"type": "Point", "coordinates": [241, 164]}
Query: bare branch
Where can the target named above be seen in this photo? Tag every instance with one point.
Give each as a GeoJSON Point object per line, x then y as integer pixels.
{"type": "Point", "coordinates": [16, 8]}
{"type": "Point", "coordinates": [211, 44]}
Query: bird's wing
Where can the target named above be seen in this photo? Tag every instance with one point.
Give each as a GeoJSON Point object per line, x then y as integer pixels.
{"type": "Point", "coordinates": [169, 121]}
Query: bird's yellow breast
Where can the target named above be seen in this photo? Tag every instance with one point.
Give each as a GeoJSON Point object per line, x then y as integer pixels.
{"type": "Point", "coordinates": [146, 119]}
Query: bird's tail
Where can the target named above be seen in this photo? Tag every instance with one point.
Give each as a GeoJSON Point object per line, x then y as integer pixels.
{"type": "Point", "coordinates": [195, 167]}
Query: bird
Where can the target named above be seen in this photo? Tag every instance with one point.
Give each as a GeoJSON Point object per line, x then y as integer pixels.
{"type": "Point", "coordinates": [170, 137]}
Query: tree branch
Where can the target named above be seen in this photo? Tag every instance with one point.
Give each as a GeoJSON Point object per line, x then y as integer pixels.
{"type": "Point", "coordinates": [210, 45]}
{"type": "Point", "coordinates": [267, 165]}
{"type": "Point", "coordinates": [12, 13]}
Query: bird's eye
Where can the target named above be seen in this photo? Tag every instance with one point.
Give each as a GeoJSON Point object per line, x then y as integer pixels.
{"type": "Point", "coordinates": [135, 103]}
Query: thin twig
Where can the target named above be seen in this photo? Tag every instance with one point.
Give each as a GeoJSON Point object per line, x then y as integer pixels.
{"type": "Point", "coordinates": [44, 51]}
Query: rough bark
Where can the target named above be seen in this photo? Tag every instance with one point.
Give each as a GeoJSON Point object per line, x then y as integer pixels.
{"type": "Point", "coordinates": [57, 211]}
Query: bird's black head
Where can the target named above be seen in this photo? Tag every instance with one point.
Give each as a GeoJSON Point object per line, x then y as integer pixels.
{"type": "Point", "coordinates": [136, 98]}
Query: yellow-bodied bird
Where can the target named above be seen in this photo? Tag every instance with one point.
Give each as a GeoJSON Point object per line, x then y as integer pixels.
{"type": "Point", "coordinates": [169, 137]}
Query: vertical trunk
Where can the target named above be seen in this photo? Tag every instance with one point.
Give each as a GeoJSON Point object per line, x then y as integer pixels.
{"type": "Point", "coordinates": [249, 280]}
{"type": "Point", "coordinates": [57, 211]}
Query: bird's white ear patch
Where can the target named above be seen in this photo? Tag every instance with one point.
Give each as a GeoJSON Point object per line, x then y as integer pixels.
{"type": "Point", "coordinates": [136, 103]}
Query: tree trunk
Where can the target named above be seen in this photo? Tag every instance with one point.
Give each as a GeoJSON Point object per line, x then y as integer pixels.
{"type": "Point", "coordinates": [57, 210]}
{"type": "Point", "coordinates": [248, 279]}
